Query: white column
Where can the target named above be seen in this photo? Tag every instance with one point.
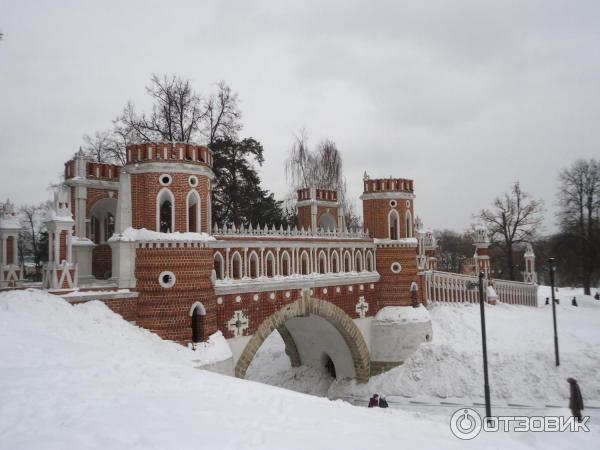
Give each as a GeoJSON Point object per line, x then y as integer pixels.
{"type": "Point", "coordinates": [69, 247]}
{"type": "Point", "coordinates": [227, 271]}
{"type": "Point", "coordinates": [4, 255]}
{"type": "Point", "coordinates": [262, 263]}
{"type": "Point", "coordinates": [245, 271]}
{"type": "Point", "coordinates": [277, 270]}
{"type": "Point", "coordinates": [16, 250]}
{"type": "Point", "coordinates": [57, 247]}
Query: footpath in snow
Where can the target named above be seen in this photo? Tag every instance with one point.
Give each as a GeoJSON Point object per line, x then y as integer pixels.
{"type": "Point", "coordinates": [80, 377]}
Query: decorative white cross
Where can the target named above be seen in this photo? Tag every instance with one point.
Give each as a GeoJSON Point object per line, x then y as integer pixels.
{"type": "Point", "coordinates": [362, 307]}
{"type": "Point", "coordinates": [238, 323]}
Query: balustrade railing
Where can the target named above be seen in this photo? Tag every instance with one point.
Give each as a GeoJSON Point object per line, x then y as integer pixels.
{"type": "Point", "coordinates": [255, 231]}
{"type": "Point", "coordinates": [453, 288]}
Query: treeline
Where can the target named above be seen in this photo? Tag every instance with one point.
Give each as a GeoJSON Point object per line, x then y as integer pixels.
{"type": "Point", "coordinates": [515, 219]}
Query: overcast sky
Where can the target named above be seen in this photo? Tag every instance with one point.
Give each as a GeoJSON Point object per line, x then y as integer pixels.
{"type": "Point", "coordinates": [464, 97]}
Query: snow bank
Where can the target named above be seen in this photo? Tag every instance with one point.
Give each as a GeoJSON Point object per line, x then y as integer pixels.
{"type": "Point", "coordinates": [215, 349]}
{"type": "Point", "coordinates": [132, 235]}
{"type": "Point", "coordinates": [403, 314]}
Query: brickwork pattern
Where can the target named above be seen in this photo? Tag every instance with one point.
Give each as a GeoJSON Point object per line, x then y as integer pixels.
{"type": "Point", "coordinates": [166, 311]}
{"type": "Point", "coordinates": [260, 305]}
{"type": "Point", "coordinates": [375, 213]}
{"type": "Point", "coordinates": [393, 289]}
{"type": "Point", "coordinates": [10, 242]}
{"type": "Point", "coordinates": [145, 188]}
{"type": "Point", "coordinates": [101, 261]}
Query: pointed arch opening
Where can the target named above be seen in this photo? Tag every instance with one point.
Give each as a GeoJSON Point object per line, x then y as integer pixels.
{"type": "Point", "coordinates": [409, 226]}
{"type": "Point", "coordinates": [323, 262]}
{"type": "Point", "coordinates": [270, 264]}
{"type": "Point", "coordinates": [253, 265]}
{"type": "Point", "coordinates": [285, 264]}
{"type": "Point", "coordinates": [335, 262]}
{"type": "Point", "coordinates": [236, 266]}
{"type": "Point", "coordinates": [165, 211]}
{"type": "Point", "coordinates": [393, 225]}
{"type": "Point", "coordinates": [197, 313]}
{"type": "Point", "coordinates": [370, 265]}
{"type": "Point", "coordinates": [347, 262]}
{"type": "Point", "coordinates": [304, 263]}
{"type": "Point", "coordinates": [358, 262]}
{"type": "Point", "coordinates": [219, 266]}
{"type": "Point", "coordinates": [193, 211]}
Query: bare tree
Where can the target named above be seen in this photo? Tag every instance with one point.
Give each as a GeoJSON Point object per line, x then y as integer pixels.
{"type": "Point", "coordinates": [579, 201]}
{"type": "Point", "coordinates": [222, 116]}
{"type": "Point", "coordinates": [177, 112]}
{"type": "Point", "coordinates": [322, 168]}
{"type": "Point", "coordinates": [33, 245]}
{"type": "Point", "coordinates": [515, 217]}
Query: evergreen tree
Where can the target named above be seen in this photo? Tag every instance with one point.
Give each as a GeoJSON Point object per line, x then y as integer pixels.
{"type": "Point", "coordinates": [237, 196]}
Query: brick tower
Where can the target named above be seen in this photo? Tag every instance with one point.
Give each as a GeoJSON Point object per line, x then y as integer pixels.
{"type": "Point", "coordinates": [11, 273]}
{"type": "Point", "coordinates": [319, 209]}
{"type": "Point", "coordinates": [388, 217]}
{"type": "Point", "coordinates": [481, 257]}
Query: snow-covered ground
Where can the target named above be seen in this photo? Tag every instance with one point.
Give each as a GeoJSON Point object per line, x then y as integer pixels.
{"type": "Point", "coordinates": [520, 354]}
{"type": "Point", "coordinates": [80, 377]}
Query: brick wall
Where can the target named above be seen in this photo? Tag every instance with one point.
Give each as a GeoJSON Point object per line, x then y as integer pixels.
{"type": "Point", "coordinates": [166, 310]}
{"type": "Point", "coordinates": [258, 306]}
{"type": "Point", "coordinates": [101, 261]}
{"type": "Point", "coordinates": [145, 188]}
{"type": "Point", "coordinates": [93, 195]}
{"type": "Point", "coordinates": [394, 289]}
{"type": "Point", "coordinates": [10, 242]}
{"type": "Point", "coordinates": [375, 214]}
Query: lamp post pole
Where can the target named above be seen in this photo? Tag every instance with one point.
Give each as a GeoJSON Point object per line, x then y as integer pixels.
{"type": "Point", "coordinates": [552, 269]}
{"type": "Point", "coordinates": [486, 382]}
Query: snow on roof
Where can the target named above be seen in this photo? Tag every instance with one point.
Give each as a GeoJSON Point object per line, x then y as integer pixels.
{"type": "Point", "coordinates": [134, 235]}
{"type": "Point", "coordinates": [403, 314]}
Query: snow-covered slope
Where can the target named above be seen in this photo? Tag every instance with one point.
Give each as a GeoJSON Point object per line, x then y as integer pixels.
{"type": "Point", "coordinates": [79, 377]}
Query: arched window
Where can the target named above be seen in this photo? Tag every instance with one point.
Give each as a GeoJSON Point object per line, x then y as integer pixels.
{"type": "Point", "coordinates": [358, 262]}
{"type": "Point", "coordinates": [219, 266]}
{"type": "Point", "coordinates": [394, 225]}
{"type": "Point", "coordinates": [198, 313]}
{"type": "Point", "coordinates": [285, 264]}
{"type": "Point", "coordinates": [335, 262]}
{"type": "Point", "coordinates": [193, 212]}
{"type": "Point", "coordinates": [270, 264]}
{"type": "Point", "coordinates": [347, 262]}
{"type": "Point", "coordinates": [109, 226]}
{"type": "Point", "coordinates": [370, 267]}
{"type": "Point", "coordinates": [409, 226]}
{"type": "Point", "coordinates": [327, 221]}
{"type": "Point", "coordinates": [236, 266]}
{"type": "Point", "coordinates": [165, 211]}
{"type": "Point", "coordinates": [253, 270]}
{"type": "Point", "coordinates": [323, 262]}
{"type": "Point", "coordinates": [304, 263]}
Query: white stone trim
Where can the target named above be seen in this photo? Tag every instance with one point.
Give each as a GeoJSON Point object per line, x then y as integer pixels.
{"type": "Point", "coordinates": [167, 191]}
{"type": "Point", "coordinates": [386, 195]}
{"type": "Point", "coordinates": [195, 194]}
{"type": "Point", "coordinates": [202, 309]}
{"type": "Point", "coordinates": [293, 282]}
{"type": "Point", "coordinates": [167, 284]}
{"type": "Point", "coordinates": [393, 212]}
{"type": "Point", "coordinates": [178, 167]}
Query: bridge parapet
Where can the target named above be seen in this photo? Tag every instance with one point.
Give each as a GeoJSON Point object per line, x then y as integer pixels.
{"type": "Point", "coordinates": [288, 232]}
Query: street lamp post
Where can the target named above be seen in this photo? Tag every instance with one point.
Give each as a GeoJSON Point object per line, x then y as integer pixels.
{"type": "Point", "coordinates": [486, 382]}
{"type": "Point", "coordinates": [552, 269]}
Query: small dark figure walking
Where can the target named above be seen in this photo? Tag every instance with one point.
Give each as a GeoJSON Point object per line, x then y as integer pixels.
{"type": "Point", "coordinates": [374, 401]}
{"type": "Point", "coordinates": [576, 400]}
{"type": "Point", "coordinates": [557, 301]}
{"type": "Point", "coordinates": [597, 296]}
{"type": "Point", "coordinates": [574, 302]}
{"type": "Point", "coordinates": [547, 300]}
{"type": "Point", "coordinates": [383, 402]}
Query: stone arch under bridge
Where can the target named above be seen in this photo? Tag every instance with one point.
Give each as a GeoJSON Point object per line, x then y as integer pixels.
{"type": "Point", "coordinates": [320, 311]}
